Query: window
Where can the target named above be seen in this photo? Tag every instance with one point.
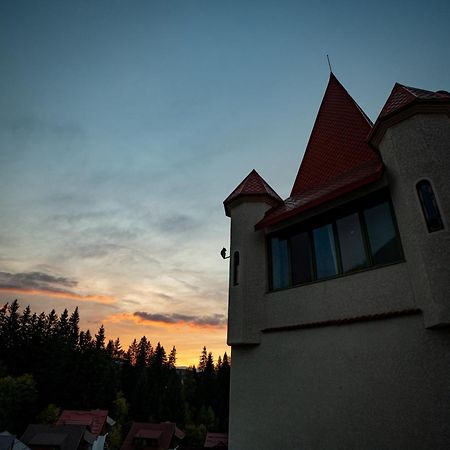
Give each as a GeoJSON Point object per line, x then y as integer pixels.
{"type": "Point", "coordinates": [302, 270]}
{"type": "Point", "coordinates": [353, 252]}
{"type": "Point", "coordinates": [430, 208]}
{"type": "Point", "coordinates": [235, 268]}
{"type": "Point", "coordinates": [358, 236]}
{"type": "Point", "coordinates": [325, 252]}
{"type": "Point", "coordinates": [280, 266]}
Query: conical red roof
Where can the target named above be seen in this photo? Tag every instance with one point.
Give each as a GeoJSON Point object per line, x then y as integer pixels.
{"type": "Point", "coordinates": [337, 145]}
{"type": "Point", "coordinates": [337, 159]}
{"type": "Point", "coordinates": [404, 95]}
{"type": "Point", "coordinates": [252, 185]}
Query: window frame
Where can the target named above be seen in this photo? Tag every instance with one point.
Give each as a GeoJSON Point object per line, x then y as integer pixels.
{"type": "Point", "coordinates": [330, 217]}
{"type": "Point", "coordinates": [423, 208]}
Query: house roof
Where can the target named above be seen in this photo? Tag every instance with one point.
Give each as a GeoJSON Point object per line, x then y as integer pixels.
{"type": "Point", "coordinates": [252, 185]}
{"type": "Point", "coordinates": [216, 440]}
{"type": "Point", "coordinates": [66, 437]}
{"type": "Point", "coordinates": [17, 445]}
{"type": "Point", "coordinates": [163, 432]}
{"type": "Point", "coordinates": [6, 442]}
{"type": "Point", "coordinates": [404, 101]}
{"type": "Point", "coordinates": [337, 159]}
{"type": "Point", "coordinates": [402, 96]}
{"type": "Point", "coordinates": [94, 419]}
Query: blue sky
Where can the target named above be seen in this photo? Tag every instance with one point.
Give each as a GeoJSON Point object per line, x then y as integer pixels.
{"type": "Point", "coordinates": [124, 125]}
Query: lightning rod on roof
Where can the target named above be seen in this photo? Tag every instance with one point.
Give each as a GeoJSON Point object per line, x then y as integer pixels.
{"type": "Point", "coordinates": [329, 64]}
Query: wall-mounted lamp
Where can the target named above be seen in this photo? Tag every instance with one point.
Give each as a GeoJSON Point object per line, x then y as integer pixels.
{"type": "Point", "coordinates": [223, 253]}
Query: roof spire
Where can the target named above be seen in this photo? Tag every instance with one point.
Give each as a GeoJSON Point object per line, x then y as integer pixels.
{"type": "Point", "coordinates": [329, 64]}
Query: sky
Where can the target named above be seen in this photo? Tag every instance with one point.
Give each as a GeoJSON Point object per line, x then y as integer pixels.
{"type": "Point", "coordinates": [124, 124]}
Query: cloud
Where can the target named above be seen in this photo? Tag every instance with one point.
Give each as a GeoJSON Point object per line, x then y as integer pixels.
{"type": "Point", "coordinates": [33, 280]}
{"type": "Point", "coordinates": [40, 283]}
{"type": "Point", "coordinates": [176, 223]}
{"type": "Point", "coordinates": [214, 320]}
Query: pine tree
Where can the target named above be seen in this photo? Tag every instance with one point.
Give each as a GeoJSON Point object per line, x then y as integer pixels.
{"type": "Point", "coordinates": [100, 338]}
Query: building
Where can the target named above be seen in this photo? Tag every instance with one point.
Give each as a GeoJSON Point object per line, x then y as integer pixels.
{"type": "Point", "coordinates": [147, 436]}
{"type": "Point", "coordinates": [9, 442]}
{"type": "Point", "coordinates": [95, 420]}
{"type": "Point", "coordinates": [57, 437]}
{"type": "Point", "coordinates": [339, 296]}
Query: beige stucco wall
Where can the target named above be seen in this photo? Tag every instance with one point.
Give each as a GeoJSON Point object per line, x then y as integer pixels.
{"type": "Point", "coordinates": [419, 148]}
{"type": "Point", "coordinates": [381, 385]}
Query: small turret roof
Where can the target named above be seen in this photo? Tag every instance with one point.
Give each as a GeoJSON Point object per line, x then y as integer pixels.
{"type": "Point", "coordinates": [252, 185]}
{"type": "Point", "coordinates": [404, 95]}
{"type": "Point", "coordinates": [403, 101]}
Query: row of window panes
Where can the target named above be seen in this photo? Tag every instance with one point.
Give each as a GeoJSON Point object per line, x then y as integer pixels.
{"type": "Point", "coordinates": [366, 237]}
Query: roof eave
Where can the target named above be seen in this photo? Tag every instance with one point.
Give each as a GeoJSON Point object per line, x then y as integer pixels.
{"type": "Point", "coordinates": [266, 198]}
{"type": "Point", "coordinates": [268, 222]}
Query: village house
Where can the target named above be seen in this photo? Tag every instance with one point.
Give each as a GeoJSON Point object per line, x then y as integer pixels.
{"type": "Point", "coordinates": [339, 296]}
{"type": "Point", "coordinates": [147, 436]}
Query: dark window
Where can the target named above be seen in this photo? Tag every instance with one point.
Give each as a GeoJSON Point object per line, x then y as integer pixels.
{"type": "Point", "coordinates": [383, 238]}
{"type": "Point", "coordinates": [280, 263]}
{"type": "Point", "coordinates": [235, 268]}
{"type": "Point", "coordinates": [325, 251]}
{"type": "Point", "coordinates": [351, 243]}
{"type": "Point", "coordinates": [301, 258]}
{"type": "Point", "coordinates": [429, 206]}
{"type": "Point", "coordinates": [359, 235]}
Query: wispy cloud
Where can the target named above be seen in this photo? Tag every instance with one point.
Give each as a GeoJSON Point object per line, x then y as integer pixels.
{"type": "Point", "coordinates": [40, 283]}
{"type": "Point", "coordinates": [176, 223]}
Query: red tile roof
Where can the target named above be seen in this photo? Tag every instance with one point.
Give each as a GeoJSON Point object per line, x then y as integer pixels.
{"type": "Point", "coordinates": [402, 96]}
{"type": "Point", "coordinates": [163, 432]}
{"type": "Point", "coordinates": [94, 419]}
{"type": "Point", "coordinates": [252, 185]}
{"type": "Point", "coordinates": [216, 440]}
{"type": "Point", "coordinates": [337, 159]}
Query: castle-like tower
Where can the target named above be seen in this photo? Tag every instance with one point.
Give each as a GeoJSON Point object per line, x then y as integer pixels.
{"type": "Point", "coordinates": [339, 296]}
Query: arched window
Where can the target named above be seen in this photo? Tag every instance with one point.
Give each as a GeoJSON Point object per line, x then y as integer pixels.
{"type": "Point", "coordinates": [430, 207]}
{"type": "Point", "coordinates": [235, 268]}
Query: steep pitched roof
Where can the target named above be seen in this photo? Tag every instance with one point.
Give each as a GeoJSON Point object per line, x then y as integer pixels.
{"type": "Point", "coordinates": [337, 159]}
{"type": "Point", "coordinates": [337, 144]}
{"type": "Point", "coordinates": [402, 96]}
{"type": "Point", "coordinates": [252, 185]}
{"type": "Point", "coordinates": [94, 419]}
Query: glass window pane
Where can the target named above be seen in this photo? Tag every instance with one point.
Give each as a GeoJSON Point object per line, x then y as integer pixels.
{"type": "Point", "coordinates": [325, 251]}
{"type": "Point", "coordinates": [351, 243]}
{"type": "Point", "coordinates": [429, 206]}
{"type": "Point", "coordinates": [383, 238]}
{"type": "Point", "coordinates": [301, 258]}
{"type": "Point", "coordinates": [280, 263]}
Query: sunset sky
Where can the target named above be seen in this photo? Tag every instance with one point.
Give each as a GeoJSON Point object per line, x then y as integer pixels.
{"type": "Point", "coordinates": [124, 125]}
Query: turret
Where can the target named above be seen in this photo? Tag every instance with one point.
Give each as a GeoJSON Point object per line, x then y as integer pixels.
{"type": "Point", "coordinates": [246, 206]}
{"type": "Point", "coordinates": [412, 135]}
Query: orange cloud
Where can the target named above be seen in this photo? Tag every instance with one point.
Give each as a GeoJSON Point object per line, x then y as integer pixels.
{"type": "Point", "coordinates": [216, 321]}
{"type": "Point", "coordinates": [61, 294]}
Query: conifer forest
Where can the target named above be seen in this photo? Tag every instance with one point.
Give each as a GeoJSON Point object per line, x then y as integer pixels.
{"type": "Point", "coordinates": [48, 364]}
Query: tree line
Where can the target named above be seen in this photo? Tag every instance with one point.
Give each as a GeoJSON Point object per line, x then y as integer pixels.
{"type": "Point", "coordinates": [47, 364]}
